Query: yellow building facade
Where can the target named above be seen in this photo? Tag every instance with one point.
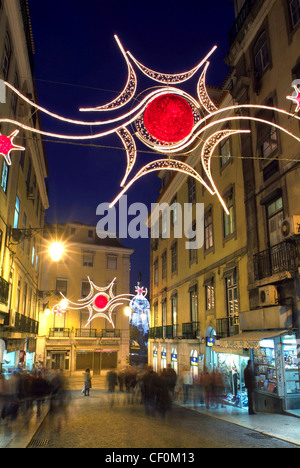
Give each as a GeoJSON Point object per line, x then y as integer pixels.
{"type": "Point", "coordinates": [23, 195]}
{"type": "Point", "coordinates": [66, 340]}
{"type": "Point", "coordinates": [197, 294]}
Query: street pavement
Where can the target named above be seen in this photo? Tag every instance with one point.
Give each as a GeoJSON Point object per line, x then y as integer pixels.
{"type": "Point", "coordinates": [20, 435]}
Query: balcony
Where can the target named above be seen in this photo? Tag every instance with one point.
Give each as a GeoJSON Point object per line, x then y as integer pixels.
{"type": "Point", "coordinates": [4, 289]}
{"type": "Point", "coordinates": [228, 326]}
{"type": "Point", "coordinates": [279, 258]}
{"type": "Point", "coordinates": [59, 332]}
{"type": "Point", "coordinates": [21, 324]}
{"type": "Point", "coordinates": [242, 17]}
{"type": "Point", "coordinates": [186, 331]}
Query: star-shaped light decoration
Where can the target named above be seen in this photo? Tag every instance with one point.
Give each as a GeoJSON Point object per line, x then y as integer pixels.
{"type": "Point", "coordinates": [100, 302]}
{"type": "Point", "coordinates": [7, 145]}
{"type": "Point", "coordinates": [295, 96]}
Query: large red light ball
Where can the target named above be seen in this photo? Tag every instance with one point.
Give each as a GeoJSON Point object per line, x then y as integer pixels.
{"type": "Point", "coordinates": [169, 118]}
{"type": "Point", "coordinates": [101, 301]}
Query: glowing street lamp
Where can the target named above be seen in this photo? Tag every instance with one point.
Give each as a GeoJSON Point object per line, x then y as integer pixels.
{"type": "Point", "coordinates": [127, 311]}
{"type": "Point", "coordinates": [56, 251]}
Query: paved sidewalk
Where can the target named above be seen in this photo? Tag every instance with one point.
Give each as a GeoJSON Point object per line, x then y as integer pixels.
{"type": "Point", "coordinates": [284, 427]}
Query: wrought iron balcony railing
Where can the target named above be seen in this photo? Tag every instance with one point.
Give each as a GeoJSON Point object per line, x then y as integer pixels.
{"type": "Point", "coordinates": [228, 326]}
{"type": "Point", "coordinates": [186, 331]}
{"type": "Point", "coordinates": [281, 257]}
{"type": "Point", "coordinates": [20, 323]}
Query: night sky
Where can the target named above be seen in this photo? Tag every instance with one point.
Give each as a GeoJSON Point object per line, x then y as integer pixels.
{"type": "Point", "coordinates": [78, 64]}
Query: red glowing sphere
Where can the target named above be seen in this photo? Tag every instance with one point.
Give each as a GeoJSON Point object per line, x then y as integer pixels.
{"type": "Point", "coordinates": [5, 144]}
{"type": "Point", "coordinates": [101, 301]}
{"type": "Point", "coordinates": [169, 118]}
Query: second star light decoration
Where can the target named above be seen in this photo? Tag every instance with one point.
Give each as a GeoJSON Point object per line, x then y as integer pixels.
{"type": "Point", "coordinates": [167, 120]}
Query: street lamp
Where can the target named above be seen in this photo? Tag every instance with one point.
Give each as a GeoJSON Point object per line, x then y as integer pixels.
{"type": "Point", "coordinates": [127, 311]}
{"type": "Point", "coordinates": [56, 251]}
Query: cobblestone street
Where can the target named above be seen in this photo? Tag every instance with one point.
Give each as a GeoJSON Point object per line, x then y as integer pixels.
{"type": "Point", "coordinates": [100, 422]}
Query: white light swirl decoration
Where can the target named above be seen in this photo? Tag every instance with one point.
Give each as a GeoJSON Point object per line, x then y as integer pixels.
{"type": "Point", "coordinates": [100, 302]}
{"type": "Point", "coordinates": [152, 119]}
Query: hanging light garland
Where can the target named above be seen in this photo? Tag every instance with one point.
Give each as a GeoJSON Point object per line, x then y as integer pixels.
{"type": "Point", "coordinates": [167, 120]}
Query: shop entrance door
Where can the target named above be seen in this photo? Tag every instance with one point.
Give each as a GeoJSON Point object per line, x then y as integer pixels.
{"type": "Point", "coordinates": [58, 361]}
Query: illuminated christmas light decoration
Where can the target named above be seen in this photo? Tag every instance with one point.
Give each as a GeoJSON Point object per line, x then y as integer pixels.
{"type": "Point", "coordinates": [296, 95]}
{"type": "Point", "coordinates": [140, 308]}
{"type": "Point", "coordinates": [100, 302]}
{"type": "Point", "coordinates": [7, 146]}
{"type": "Point", "coordinates": [167, 120]}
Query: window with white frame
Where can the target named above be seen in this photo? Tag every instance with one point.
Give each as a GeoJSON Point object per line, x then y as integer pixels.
{"type": "Point", "coordinates": [232, 294]}
{"type": "Point", "coordinates": [17, 212]}
{"type": "Point", "coordinates": [229, 219]}
{"type": "Point", "coordinates": [208, 230]}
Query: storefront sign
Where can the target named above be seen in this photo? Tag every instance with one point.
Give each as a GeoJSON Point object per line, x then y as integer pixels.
{"type": "Point", "coordinates": [174, 357]}
{"type": "Point", "coordinates": [194, 361]}
{"type": "Point", "coordinates": [210, 341]}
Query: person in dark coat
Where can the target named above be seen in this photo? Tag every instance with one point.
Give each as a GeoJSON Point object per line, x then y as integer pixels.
{"type": "Point", "coordinates": [163, 393]}
{"type": "Point", "coordinates": [250, 384]}
{"type": "Point", "coordinates": [149, 391]}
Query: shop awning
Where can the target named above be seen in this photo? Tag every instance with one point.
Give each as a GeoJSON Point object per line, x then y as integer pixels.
{"type": "Point", "coordinates": [247, 340]}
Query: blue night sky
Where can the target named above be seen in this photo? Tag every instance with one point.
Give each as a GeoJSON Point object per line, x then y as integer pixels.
{"type": "Point", "coordinates": [78, 64]}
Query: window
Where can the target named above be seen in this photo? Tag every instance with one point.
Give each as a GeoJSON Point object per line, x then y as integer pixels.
{"type": "Point", "coordinates": [225, 151]}
{"type": "Point", "coordinates": [174, 214]}
{"type": "Point", "coordinates": [18, 294]}
{"type": "Point", "coordinates": [208, 230]}
{"type": "Point", "coordinates": [261, 54]}
{"type": "Point", "coordinates": [275, 218]}
{"type": "Point", "coordinates": [25, 298]}
{"type": "Point", "coordinates": [112, 262]}
{"type": "Point", "coordinates": [6, 56]}
{"type": "Point", "coordinates": [294, 6]}
{"type": "Point", "coordinates": [88, 259]}
{"type": "Point", "coordinates": [62, 286]}
{"type": "Point", "coordinates": [33, 252]}
{"type": "Point", "coordinates": [164, 265]}
{"type": "Point", "coordinates": [229, 221]}
{"type": "Point", "coordinates": [17, 212]}
{"type": "Point", "coordinates": [174, 314]}
{"type": "Point", "coordinates": [156, 271]}
{"type": "Point", "coordinates": [4, 176]}
{"type": "Point", "coordinates": [210, 296]}
{"type": "Point", "coordinates": [193, 252]}
{"type": "Point", "coordinates": [232, 294]}
{"type": "Point", "coordinates": [85, 288]}
{"type": "Point", "coordinates": [191, 190]}
{"type": "Point", "coordinates": [194, 303]}
{"type": "Point", "coordinates": [174, 258]}
{"type": "Point", "coordinates": [90, 234]}
{"type": "Point", "coordinates": [164, 312]}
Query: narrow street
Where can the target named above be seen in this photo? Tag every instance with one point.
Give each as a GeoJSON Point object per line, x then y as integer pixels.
{"type": "Point", "coordinates": [103, 421]}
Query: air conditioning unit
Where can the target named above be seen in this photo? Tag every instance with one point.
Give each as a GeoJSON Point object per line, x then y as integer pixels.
{"type": "Point", "coordinates": [290, 227]}
{"type": "Point", "coordinates": [268, 295]}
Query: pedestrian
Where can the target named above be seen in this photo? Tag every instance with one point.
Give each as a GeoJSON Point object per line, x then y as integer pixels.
{"type": "Point", "coordinates": [112, 380]}
{"type": "Point", "coordinates": [121, 380]}
{"type": "Point", "coordinates": [207, 388]}
{"type": "Point", "coordinates": [87, 379]}
{"type": "Point", "coordinates": [163, 400]}
{"type": "Point", "coordinates": [171, 377]}
{"type": "Point", "coordinates": [149, 391]}
{"type": "Point", "coordinates": [250, 384]}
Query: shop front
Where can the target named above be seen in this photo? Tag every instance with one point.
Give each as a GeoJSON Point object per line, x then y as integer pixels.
{"type": "Point", "coordinates": [232, 366]}
{"type": "Point", "coordinates": [275, 366]}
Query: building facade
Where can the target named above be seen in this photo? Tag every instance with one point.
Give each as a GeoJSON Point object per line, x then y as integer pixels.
{"type": "Point", "coordinates": [237, 297]}
{"type": "Point", "coordinates": [264, 53]}
{"type": "Point", "coordinates": [197, 294]}
{"type": "Point", "coordinates": [66, 340]}
{"type": "Point", "coordinates": [23, 194]}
